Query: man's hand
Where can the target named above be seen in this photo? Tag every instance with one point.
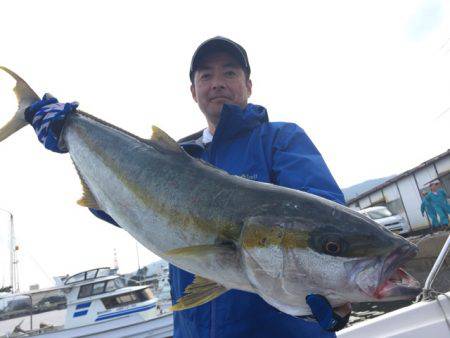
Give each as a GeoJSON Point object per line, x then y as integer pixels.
{"type": "Point", "coordinates": [47, 117]}
{"type": "Point", "coordinates": [328, 318]}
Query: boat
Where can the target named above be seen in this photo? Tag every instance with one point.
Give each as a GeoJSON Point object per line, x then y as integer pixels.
{"type": "Point", "coordinates": [429, 316]}
{"type": "Point", "coordinates": [99, 304]}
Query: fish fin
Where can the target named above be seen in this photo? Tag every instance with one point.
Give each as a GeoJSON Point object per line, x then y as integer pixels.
{"type": "Point", "coordinates": [199, 250]}
{"type": "Point", "coordinates": [25, 97]}
{"type": "Point", "coordinates": [165, 141]}
{"type": "Point", "coordinates": [87, 200]}
{"type": "Point", "coordinates": [201, 291]}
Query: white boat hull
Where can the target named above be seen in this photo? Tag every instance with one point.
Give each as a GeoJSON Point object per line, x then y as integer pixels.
{"type": "Point", "coordinates": [158, 327]}
{"type": "Point", "coordinates": [427, 319]}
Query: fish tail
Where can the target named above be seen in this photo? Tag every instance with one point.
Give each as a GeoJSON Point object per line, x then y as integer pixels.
{"type": "Point", "coordinates": [25, 97]}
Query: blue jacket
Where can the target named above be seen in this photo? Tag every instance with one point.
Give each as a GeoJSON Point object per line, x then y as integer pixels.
{"type": "Point", "coordinates": [247, 144]}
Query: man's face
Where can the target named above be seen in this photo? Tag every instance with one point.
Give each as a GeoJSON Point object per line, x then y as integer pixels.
{"type": "Point", "coordinates": [434, 187]}
{"type": "Point", "coordinates": [218, 80]}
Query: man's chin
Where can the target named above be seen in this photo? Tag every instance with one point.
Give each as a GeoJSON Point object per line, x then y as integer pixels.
{"type": "Point", "coordinates": [215, 109]}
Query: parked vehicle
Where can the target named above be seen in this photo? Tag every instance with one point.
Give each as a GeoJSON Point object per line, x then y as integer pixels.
{"type": "Point", "coordinates": [16, 306]}
{"type": "Point", "coordinates": [383, 216]}
{"type": "Point", "coordinates": [49, 304]}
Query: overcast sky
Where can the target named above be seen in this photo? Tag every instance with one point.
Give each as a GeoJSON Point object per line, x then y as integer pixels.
{"type": "Point", "coordinates": [369, 81]}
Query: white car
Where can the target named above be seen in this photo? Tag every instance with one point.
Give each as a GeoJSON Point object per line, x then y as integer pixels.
{"type": "Point", "coordinates": [383, 216]}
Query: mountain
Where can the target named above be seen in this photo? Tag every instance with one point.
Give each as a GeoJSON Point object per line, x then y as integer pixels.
{"type": "Point", "coordinates": [149, 270]}
{"type": "Point", "coordinates": [359, 188]}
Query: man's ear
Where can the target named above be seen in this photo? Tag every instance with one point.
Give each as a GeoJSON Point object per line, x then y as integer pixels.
{"type": "Point", "coordinates": [194, 94]}
{"type": "Point", "coordinates": [249, 85]}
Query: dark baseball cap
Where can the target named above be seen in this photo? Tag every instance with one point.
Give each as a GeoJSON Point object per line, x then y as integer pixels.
{"type": "Point", "coordinates": [219, 44]}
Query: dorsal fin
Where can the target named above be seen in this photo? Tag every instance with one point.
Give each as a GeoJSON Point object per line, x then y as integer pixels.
{"type": "Point", "coordinates": [163, 140]}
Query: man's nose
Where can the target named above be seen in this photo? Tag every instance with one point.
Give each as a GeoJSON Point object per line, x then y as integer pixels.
{"type": "Point", "coordinates": [218, 83]}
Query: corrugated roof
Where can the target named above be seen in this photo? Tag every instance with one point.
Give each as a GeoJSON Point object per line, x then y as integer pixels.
{"type": "Point", "coordinates": [398, 177]}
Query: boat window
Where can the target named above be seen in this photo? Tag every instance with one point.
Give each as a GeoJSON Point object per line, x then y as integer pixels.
{"type": "Point", "coordinates": [119, 283]}
{"type": "Point", "coordinates": [98, 288]}
{"type": "Point", "coordinates": [146, 294]}
{"type": "Point", "coordinates": [85, 291]}
{"type": "Point", "coordinates": [91, 274]}
{"type": "Point", "coordinates": [127, 298]}
{"type": "Point", "coordinates": [110, 286]}
{"type": "Point", "coordinates": [76, 278]}
{"type": "Point", "coordinates": [104, 272]}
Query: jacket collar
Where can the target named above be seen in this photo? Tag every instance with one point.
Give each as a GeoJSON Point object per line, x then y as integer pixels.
{"type": "Point", "coordinates": [233, 121]}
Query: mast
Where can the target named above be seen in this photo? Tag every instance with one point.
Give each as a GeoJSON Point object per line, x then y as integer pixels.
{"type": "Point", "coordinates": [13, 270]}
{"type": "Point", "coordinates": [116, 262]}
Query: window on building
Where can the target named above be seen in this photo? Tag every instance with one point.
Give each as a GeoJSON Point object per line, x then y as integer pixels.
{"type": "Point", "coordinates": [445, 182]}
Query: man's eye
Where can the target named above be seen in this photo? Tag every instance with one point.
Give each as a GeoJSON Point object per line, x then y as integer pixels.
{"type": "Point", "coordinates": [230, 73]}
{"type": "Point", "coordinates": [205, 76]}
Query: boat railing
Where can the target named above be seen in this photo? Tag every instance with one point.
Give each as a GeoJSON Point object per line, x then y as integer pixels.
{"type": "Point", "coordinates": [428, 292]}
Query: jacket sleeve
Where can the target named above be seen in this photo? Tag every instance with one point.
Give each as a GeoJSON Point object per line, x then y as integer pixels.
{"type": "Point", "coordinates": [422, 207]}
{"type": "Point", "coordinates": [297, 164]}
{"type": "Point", "coordinates": [104, 216]}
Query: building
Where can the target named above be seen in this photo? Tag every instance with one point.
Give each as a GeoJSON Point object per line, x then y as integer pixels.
{"type": "Point", "coordinates": [402, 194]}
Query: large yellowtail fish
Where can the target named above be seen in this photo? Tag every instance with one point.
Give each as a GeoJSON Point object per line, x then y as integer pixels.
{"type": "Point", "coordinates": [233, 233]}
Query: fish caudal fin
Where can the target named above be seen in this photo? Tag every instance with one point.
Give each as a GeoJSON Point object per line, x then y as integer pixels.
{"type": "Point", "coordinates": [25, 97]}
{"type": "Point", "coordinates": [201, 291]}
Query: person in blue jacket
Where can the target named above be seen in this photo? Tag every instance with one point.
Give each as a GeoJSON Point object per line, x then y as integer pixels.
{"type": "Point", "coordinates": [240, 140]}
{"type": "Point", "coordinates": [427, 207]}
{"type": "Point", "coordinates": [438, 198]}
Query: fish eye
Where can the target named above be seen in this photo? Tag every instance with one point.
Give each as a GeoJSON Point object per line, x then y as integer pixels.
{"type": "Point", "coordinates": [329, 241]}
{"type": "Point", "coordinates": [332, 247]}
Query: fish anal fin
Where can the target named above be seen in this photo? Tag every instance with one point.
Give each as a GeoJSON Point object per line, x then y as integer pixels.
{"type": "Point", "coordinates": [87, 200]}
{"type": "Point", "coordinates": [201, 291]}
{"type": "Point", "coordinates": [162, 139]}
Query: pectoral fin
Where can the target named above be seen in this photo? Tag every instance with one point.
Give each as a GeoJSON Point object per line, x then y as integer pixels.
{"type": "Point", "coordinates": [200, 251]}
{"type": "Point", "coordinates": [201, 291]}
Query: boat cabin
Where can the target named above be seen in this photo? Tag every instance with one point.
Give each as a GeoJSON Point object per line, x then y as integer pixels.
{"type": "Point", "coordinates": [99, 295]}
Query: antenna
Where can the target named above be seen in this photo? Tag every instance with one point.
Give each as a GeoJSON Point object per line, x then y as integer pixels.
{"type": "Point", "coordinates": [137, 254]}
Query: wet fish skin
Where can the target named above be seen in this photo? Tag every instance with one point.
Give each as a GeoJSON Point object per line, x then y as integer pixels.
{"type": "Point", "coordinates": [277, 242]}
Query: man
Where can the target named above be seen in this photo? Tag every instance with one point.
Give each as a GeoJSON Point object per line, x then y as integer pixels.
{"type": "Point", "coordinates": [438, 199]}
{"type": "Point", "coordinates": [427, 207]}
{"type": "Point", "coordinates": [240, 140]}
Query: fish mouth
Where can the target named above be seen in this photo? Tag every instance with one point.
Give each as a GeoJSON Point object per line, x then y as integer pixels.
{"type": "Point", "coordinates": [392, 282]}
{"type": "Point", "coordinates": [395, 282]}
